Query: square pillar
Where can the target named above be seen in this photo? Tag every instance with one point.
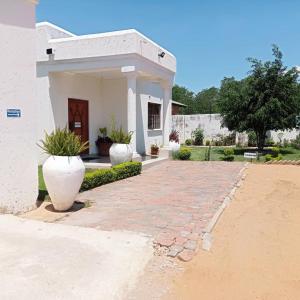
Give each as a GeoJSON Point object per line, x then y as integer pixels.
{"type": "Point", "coordinates": [167, 111]}
{"type": "Point", "coordinates": [131, 76]}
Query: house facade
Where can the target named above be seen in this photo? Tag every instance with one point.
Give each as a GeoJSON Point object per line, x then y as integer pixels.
{"type": "Point", "coordinates": [85, 81]}
{"type": "Point", "coordinates": [18, 103]}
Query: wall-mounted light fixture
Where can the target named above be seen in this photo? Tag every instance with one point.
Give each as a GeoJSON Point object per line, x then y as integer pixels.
{"type": "Point", "coordinates": [161, 54]}
{"type": "Point", "coordinates": [49, 51]}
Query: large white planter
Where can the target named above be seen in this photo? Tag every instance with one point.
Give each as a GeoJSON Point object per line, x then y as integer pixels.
{"type": "Point", "coordinates": [63, 177]}
{"type": "Point", "coordinates": [174, 146]}
{"type": "Point", "coordinates": [120, 153]}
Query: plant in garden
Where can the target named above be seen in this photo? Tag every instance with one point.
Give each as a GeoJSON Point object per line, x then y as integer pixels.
{"type": "Point", "coordinates": [63, 142]}
{"type": "Point", "coordinates": [188, 142]}
{"type": "Point", "coordinates": [275, 151]}
{"type": "Point", "coordinates": [252, 139]}
{"type": "Point", "coordinates": [268, 99]}
{"type": "Point", "coordinates": [118, 135]}
{"type": "Point", "coordinates": [228, 154]}
{"type": "Point", "coordinates": [207, 143]}
{"type": "Point", "coordinates": [198, 136]}
{"type": "Point", "coordinates": [154, 149]}
{"type": "Point", "coordinates": [296, 142]}
{"type": "Point", "coordinates": [183, 154]}
{"type": "Point", "coordinates": [174, 136]}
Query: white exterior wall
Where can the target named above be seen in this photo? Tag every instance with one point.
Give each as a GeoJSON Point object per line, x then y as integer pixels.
{"type": "Point", "coordinates": [148, 91]}
{"type": "Point", "coordinates": [114, 101]}
{"type": "Point", "coordinates": [285, 135]}
{"type": "Point", "coordinates": [18, 172]}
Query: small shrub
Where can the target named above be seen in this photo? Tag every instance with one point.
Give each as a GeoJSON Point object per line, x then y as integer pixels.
{"type": "Point", "coordinates": [174, 136]}
{"type": "Point", "coordinates": [198, 136]}
{"type": "Point", "coordinates": [268, 157]}
{"type": "Point", "coordinates": [275, 151]}
{"type": "Point", "coordinates": [228, 154]}
{"type": "Point", "coordinates": [207, 143]}
{"type": "Point", "coordinates": [188, 142]}
{"type": "Point", "coordinates": [228, 151]}
{"type": "Point", "coordinates": [104, 176]}
{"type": "Point", "coordinates": [127, 169]}
{"type": "Point", "coordinates": [183, 154]}
{"type": "Point", "coordinates": [97, 178]}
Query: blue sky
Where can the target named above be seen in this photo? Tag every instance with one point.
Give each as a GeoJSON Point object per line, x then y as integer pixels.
{"type": "Point", "coordinates": [210, 38]}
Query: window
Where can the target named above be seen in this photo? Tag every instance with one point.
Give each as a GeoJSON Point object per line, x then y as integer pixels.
{"type": "Point", "coordinates": [154, 116]}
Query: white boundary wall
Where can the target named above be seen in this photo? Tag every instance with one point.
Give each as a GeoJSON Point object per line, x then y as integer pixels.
{"type": "Point", "coordinates": [211, 125]}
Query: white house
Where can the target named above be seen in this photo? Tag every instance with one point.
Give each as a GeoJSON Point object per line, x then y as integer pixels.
{"type": "Point", "coordinates": [18, 172]}
{"type": "Point", "coordinates": [84, 80]}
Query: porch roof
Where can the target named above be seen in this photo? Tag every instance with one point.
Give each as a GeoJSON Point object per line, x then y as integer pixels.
{"type": "Point", "coordinates": [110, 49]}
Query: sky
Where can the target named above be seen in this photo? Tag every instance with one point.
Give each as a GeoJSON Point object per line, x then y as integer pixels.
{"type": "Point", "coordinates": [211, 39]}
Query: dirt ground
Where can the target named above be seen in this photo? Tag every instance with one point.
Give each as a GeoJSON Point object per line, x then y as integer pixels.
{"type": "Point", "coordinates": [256, 247]}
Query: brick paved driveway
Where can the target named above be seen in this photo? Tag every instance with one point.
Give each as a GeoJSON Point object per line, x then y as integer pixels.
{"type": "Point", "coordinates": [172, 202]}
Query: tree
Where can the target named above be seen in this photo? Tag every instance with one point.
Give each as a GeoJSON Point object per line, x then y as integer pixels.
{"type": "Point", "coordinates": [206, 101]}
{"type": "Point", "coordinates": [185, 96]}
{"type": "Point", "coordinates": [268, 99]}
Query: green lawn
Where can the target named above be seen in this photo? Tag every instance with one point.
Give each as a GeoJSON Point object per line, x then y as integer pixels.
{"type": "Point", "coordinates": [198, 153]}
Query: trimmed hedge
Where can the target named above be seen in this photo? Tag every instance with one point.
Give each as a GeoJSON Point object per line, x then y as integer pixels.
{"type": "Point", "coordinates": [104, 176]}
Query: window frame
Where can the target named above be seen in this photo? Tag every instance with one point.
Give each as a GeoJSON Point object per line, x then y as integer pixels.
{"type": "Point", "coordinates": [160, 115]}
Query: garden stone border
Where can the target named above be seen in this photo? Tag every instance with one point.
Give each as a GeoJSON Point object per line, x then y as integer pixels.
{"type": "Point", "coordinates": [283, 162]}
{"type": "Point", "coordinates": [207, 238]}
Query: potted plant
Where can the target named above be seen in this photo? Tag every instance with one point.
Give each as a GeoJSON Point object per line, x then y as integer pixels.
{"type": "Point", "coordinates": [103, 142]}
{"type": "Point", "coordinates": [64, 170]}
{"type": "Point", "coordinates": [174, 141]}
{"type": "Point", "coordinates": [154, 149]}
{"type": "Point", "coordinates": [120, 151]}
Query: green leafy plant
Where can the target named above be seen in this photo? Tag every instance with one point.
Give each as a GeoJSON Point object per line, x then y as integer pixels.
{"type": "Point", "coordinates": [183, 154]}
{"type": "Point", "coordinates": [188, 142]}
{"type": "Point", "coordinates": [118, 135]}
{"type": "Point", "coordinates": [207, 153]}
{"type": "Point", "coordinates": [104, 176]}
{"type": "Point", "coordinates": [270, 157]}
{"type": "Point", "coordinates": [63, 142]}
{"type": "Point", "coordinates": [207, 143]}
{"type": "Point", "coordinates": [228, 154]}
{"type": "Point", "coordinates": [198, 136]}
{"type": "Point", "coordinates": [275, 151]}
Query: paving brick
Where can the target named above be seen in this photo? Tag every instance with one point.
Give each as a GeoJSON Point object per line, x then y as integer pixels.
{"type": "Point", "coordinates": [191, 245]}
{"type": "Point", "coordinates": [186, 255]}
{"type": "Point", "coordinates": [175, 250]}
{"type": "Point", "coordinates": [171, 202]}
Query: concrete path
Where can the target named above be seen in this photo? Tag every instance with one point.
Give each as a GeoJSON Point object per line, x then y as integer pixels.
{"type": "Point", "coordinates": [171, 202]}
{"type": "Point", "coordinates": [53, 261]}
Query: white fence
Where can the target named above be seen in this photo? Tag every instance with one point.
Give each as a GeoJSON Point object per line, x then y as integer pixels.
{"type": "Point", "coordinates": [211, 125]}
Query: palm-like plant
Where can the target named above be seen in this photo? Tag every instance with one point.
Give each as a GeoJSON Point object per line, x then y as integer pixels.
{"type": "Point", "coordinates": [63, 142]}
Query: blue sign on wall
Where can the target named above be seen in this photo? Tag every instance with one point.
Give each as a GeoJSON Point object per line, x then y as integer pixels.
{"type": "Point", "coordinates": [13, 113]}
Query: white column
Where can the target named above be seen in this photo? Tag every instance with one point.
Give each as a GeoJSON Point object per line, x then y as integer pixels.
{"type": "Point", "coordinates": [167, 111]}
{"type": "Point", "coordinates": [131, 107]}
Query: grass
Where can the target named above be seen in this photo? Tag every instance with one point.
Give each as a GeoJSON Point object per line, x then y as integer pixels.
{"type": "Point", "coordinates": [198, 153]}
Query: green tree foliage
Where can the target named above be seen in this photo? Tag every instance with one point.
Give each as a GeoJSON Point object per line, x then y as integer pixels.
{"type": "Point", "coordinates": [204, 102]}
{"type": "Point", "coordinates": [185, 96]}
{"type": "Point", "coordinates": [268, 99]}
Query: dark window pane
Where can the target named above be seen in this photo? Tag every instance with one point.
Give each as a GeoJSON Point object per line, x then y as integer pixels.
{"type": "Point", "coordinates": [154, 116]}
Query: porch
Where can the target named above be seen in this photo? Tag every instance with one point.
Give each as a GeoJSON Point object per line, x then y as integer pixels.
{"type": "Point", "coordinates": [84, 92]}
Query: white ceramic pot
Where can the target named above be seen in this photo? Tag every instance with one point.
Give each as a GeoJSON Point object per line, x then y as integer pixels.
{"type": "Point", "coordinates": [174, 146]}
{"type": "Point", "coordinates": [63, 177]}
{"type": "Point", "coordinates": [120, 153]}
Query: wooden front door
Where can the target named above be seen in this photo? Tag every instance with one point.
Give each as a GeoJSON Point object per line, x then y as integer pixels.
{"type": "Point", "coordinates": [79, 118]}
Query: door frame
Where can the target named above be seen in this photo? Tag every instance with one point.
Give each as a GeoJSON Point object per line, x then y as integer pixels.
{"type": "Point", "coordinates": [86, 102]}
